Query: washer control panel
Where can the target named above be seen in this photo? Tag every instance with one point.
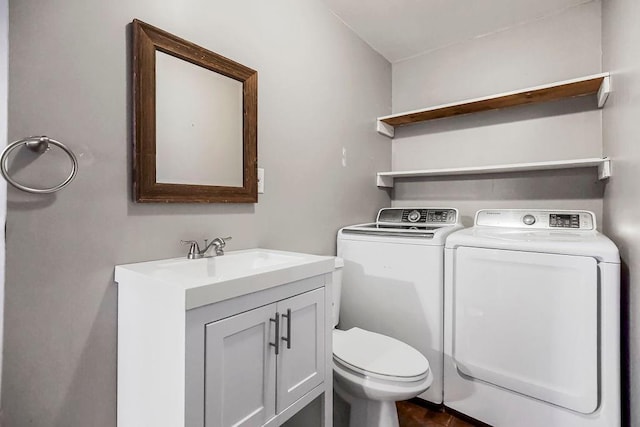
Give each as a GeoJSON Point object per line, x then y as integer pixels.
{"type": "Point", "coordinates": [564, 220]}
{"type": "Point", "coordinates": [417, 216]}
{"type": "Point", "coordinates": [537, 219]}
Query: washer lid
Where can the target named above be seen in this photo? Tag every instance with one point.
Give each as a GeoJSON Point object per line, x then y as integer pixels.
{"type": "Point", "coordinates": [378, 354]}
{"type": "Point", "coordinates": [561, 242]}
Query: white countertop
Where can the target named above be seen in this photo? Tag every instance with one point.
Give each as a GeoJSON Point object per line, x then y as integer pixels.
{"type": "Point", "coordinates": [209, 280]}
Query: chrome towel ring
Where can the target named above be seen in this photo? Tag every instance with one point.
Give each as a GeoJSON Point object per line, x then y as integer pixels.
{"type": "Point", "coordinates": [37, 144]}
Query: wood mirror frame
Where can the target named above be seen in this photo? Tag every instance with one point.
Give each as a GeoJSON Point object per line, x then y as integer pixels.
{"type": "Point", "coordinates": [146, 41]}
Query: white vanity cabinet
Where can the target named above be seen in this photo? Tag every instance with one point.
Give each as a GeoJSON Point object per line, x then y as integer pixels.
{"type": "Point", "coordinates": [258, 363]}
{"type": "Point", "coordinates": [240, 340]}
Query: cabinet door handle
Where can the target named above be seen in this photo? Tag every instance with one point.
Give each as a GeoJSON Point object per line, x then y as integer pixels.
{"type": "Point", "coordinates": [277, 334]}
{"type": "Point", "coordinates": [288, 338]}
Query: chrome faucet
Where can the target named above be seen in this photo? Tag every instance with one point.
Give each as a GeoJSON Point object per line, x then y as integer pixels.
{"type": "Point", "coordinates": [194, 249]}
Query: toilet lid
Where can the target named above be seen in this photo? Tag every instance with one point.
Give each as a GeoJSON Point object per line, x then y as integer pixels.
{"type": "Point", "coordinates": [378, 354]}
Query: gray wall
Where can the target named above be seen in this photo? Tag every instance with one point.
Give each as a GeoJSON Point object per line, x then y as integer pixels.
{"type": "Point", "coordinates": [4, 68]}
{"type": "Point", "coordinates": [557, 47]}
{"type": "Point", "coordinates": [621, 125]}
{"type": "Point", "coordinates": [320, 88]}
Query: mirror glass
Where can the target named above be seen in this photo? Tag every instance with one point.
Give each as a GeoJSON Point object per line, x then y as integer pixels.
{"type": "Point", "coordinates": [198, 132]}
{"type": "Point", "coordinates": [195, 122]}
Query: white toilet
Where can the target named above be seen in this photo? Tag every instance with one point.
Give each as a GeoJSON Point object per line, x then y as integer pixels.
{"type": "Point", "coordinates": [372, 371]}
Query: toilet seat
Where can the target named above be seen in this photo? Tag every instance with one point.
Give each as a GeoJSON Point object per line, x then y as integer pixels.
{"type": "Point", "coordinates": [375, 355]}
{"type": "Point", "coordinates": [372, 375]}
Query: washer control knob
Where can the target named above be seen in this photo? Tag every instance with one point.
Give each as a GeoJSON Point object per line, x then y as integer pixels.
{"type": "Point", "coordinates": [413, 216]}
{"type": "Point", "coordinates": [529, 219]}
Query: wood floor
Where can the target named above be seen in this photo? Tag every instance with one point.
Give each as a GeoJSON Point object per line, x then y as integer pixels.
{"type": "Point", "coordinates": [412, 415]}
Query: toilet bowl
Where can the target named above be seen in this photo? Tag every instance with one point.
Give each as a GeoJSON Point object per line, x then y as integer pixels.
{"type": "Point", "coordinates": [372, 371]}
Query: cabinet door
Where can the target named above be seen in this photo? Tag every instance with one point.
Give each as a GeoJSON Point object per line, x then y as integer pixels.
{"type": "Point", "coordinates": [240, 383]}
{"type": "Point", "coordinates": [301, 361]}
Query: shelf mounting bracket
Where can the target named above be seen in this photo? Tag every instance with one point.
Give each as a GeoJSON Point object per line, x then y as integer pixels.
{"type": "Point", "coordinates": [604, 91]}
{"type": "Point", "coordinates": [384, 181]}
{"type": "Point", "coordinates": [604, 169]}
{"type": "Point", "coordinates": [385, 129]}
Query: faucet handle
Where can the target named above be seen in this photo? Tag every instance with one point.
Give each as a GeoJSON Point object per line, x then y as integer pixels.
{"type": "Point", "coordinates": [194, 249]}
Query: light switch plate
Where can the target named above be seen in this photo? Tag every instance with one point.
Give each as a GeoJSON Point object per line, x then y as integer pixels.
{"type": "Point", "coordinates": [260, 181]}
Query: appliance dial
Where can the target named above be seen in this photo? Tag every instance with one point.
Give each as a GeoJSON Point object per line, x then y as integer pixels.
{"type": "Point", "coordinates": [529, 219]}
{"type": "Point", "coordinates": [413, 216]}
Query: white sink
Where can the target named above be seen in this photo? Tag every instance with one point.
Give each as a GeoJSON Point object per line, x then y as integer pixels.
{"type": "Point", "coordinates": [232, 264]}
{"type": "Point", "coordinates": [208, 280]}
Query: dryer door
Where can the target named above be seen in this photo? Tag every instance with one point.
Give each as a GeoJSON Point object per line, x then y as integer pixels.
{"type": "Point", "coordinates": [528, 322]}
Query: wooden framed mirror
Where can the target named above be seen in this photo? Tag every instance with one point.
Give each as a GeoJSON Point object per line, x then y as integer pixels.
{"type": "Point", "coordinates": [194, 122]}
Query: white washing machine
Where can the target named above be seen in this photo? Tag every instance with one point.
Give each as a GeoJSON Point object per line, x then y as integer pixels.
{"type": "Point", "coordinates": [393, 280]}
{"type": "Point", "coordinates": [532, 330]}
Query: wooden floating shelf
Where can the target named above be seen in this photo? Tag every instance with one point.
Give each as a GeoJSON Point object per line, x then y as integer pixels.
{"type": "Point", "coordinates": [599, 84]}
{"type": "Point", "coordinates": [386, 179]}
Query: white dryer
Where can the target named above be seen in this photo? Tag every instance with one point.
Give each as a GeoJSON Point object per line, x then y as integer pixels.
{"type": "Point", "coordinates": [393, 280]}
{"type": "Point", "coordinates": [532, 320]}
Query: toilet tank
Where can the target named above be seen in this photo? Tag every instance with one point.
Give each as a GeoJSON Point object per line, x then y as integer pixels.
{"type": "Point", "coordinates": [337, 290]}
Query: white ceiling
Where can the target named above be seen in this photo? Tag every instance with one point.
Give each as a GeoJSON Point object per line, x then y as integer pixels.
{"type": "Point", "coordinates": [400, 29]}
